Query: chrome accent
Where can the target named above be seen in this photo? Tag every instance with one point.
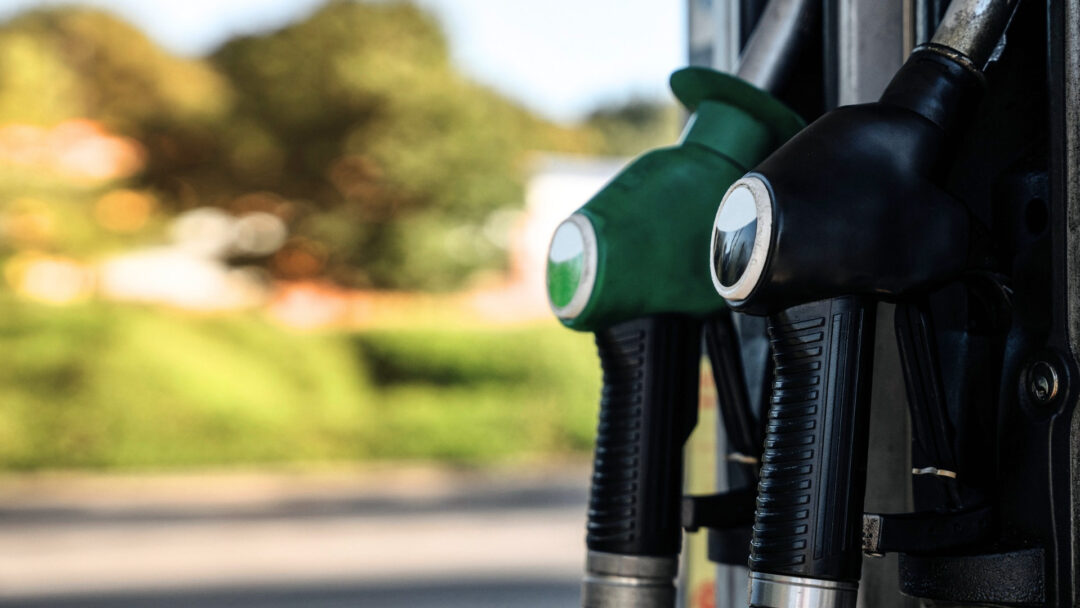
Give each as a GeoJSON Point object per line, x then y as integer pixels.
{"type": "Point", "coordinates": [934, 471]}
{"type": "Point", "coordinates": [779, 591]}
{"type": "Point", "coordinates": [750, 277]}
{"type": "Point", "coordinates": [965, 61]}
{"type": "Point", "coordinates": [584, 291]}
{"type": "Point", "coordinates": [773, 48]}
{"type": "Point", "coordinates": [974, 27]}
{"type": "Point", "coordinates": [870, 48]}
{"type": "Point", "coordinates": [1043, 382]}
{"type": "Point", "coordinates": [615, 581]}
{"type": "Point", "coordinates": [871, 535]}
{"type": "Point", "coordinates": [617, 564]}
{"type": "Point", "coordinates": [741, 458]}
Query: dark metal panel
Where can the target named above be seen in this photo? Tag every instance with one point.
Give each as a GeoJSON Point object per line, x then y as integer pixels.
{"type": "Point", "coordinates": [1064, 22]}
{"type": "Point", "coordinates": [888, 487]}
{"type": "Point", "coordinates": [1071, 83]}
{"type": "Point", "coordinates": [1015, 579]}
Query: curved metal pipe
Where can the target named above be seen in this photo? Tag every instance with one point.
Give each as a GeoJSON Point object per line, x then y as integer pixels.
{"type": "Point", "coordinates": [779, 37]}
{"type": "Point", "coordinates": [974, 27]}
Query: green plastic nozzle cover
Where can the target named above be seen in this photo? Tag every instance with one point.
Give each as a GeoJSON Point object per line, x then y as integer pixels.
{"type": "Point", "coordinates": [652, 223]}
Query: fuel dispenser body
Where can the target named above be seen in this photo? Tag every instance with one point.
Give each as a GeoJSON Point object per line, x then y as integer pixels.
{"type": "Point", "coordinates": [940, 218]}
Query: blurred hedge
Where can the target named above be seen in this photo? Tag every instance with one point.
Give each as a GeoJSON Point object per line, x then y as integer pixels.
{"type": "Point", "coordinates": [450, 393]}
{"type": "Point", "coordinates": [120, 387]}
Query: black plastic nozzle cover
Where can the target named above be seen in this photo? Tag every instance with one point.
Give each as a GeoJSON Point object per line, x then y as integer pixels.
{"type": "Point", "coordinates": [857, 205]}
{"type": "Point", "coordinates": [858, 216]}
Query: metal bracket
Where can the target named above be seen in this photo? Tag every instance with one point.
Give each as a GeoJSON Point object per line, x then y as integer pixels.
{"type": "Point", "coordinates": [734, 509]}
{"type": "Point", "coordinates": [934, 471]}
{"type": "Point", "coordinates": [924, 533]}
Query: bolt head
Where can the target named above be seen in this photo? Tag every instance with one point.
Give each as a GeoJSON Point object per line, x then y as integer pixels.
{"type": "Point", "coordinates": [1043, 382]}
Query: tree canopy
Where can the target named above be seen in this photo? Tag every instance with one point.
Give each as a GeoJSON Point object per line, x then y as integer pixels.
{"type": "Point", "coordinates": [627, 128]}
{"type": "Point", "coordinates": [352, 125]}
{"type": "Point", "coordinates": [360, 109]}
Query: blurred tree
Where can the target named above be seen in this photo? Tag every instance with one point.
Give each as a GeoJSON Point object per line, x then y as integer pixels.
{"type": "Point", "coordinates": [359, 110]}
{"type": "Point", "coordinates": [352, 125]}
{"type": "Point", "coordinates": [60, 64]}
{"type": "Point", "coordinates": [87, 63]}
{"type": "Point", "coordinates": [36, 86]}
{"type": "Point", "coordinates": [630, 128]}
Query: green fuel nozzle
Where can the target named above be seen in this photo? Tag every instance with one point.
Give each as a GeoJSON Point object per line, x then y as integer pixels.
{"type": "Point", "coordinates": [636, 248]}
{"type": "Point", "coordinates": [628, 265]}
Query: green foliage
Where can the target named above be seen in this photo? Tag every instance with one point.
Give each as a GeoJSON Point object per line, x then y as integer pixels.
{"type": "Point", "coordinates": [125, 387]}
{"type": "Point", "coordinates": [451, 392]}
{"type": "Point", "coordinates": [382, 154]}
{"type": "Point", "coordinates": [87, 63]}
{"type": "Point", "coordinates": [432, 249]}
{"type": "Point", "coordinates": [36, 86]}
{"type": "Point", "coordinates": [63, 213]}
{"type": "Point", "coordinates": [633, 127]}
{"type": "Point", "coordinates": [361, 109]}
{"type": "Point", "coordinates": [65, 63]}
{"type": "Point", "coordinates": [340, 65]}
{"type": "Point", "coordinates": [352, 126]}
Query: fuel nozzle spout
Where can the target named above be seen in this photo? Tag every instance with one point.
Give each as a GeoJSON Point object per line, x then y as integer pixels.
{"type": "Point", "coordinates": [971, 30]}
{"type": "Point", "coordinates": [849, 211]}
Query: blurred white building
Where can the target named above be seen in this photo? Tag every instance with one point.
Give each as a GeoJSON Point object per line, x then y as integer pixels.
{"type": "Point", "coordinates": [558, 186]}
{"type": "Point", "coordinates": [191, 272]}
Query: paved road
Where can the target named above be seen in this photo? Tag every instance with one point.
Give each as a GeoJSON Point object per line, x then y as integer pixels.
{"type": "Point", "coordinates": [385, 540]}
{"type": "Point", "coordinates": [480, 593]}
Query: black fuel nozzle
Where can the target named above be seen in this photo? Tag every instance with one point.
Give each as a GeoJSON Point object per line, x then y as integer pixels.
{"type": "Point", "coordinates": [848, 212]}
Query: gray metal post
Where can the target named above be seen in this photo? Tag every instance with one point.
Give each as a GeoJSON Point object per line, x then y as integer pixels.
{"type": "Point", "coordinates": [872, 39]}
{"type": "Point", "coordinates": [713, 33]}
{"type": "Point", "coordinates": [1072, 196]}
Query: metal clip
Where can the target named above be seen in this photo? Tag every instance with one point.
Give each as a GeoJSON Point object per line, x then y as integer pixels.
{"type": "Point", "coordinates": [934, 471]}
{"type": "Point", "coordinates": [741, 458]}
{"type": "Point", "coordinates": [871, 535]}
{"type": "Point", "coordinates": [924, 533]}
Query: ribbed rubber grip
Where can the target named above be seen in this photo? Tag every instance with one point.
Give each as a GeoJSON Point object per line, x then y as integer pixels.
{"type": "Point", "coordinates": [808, 521]}
{"type": "Point", "coordinates": [647, 409]}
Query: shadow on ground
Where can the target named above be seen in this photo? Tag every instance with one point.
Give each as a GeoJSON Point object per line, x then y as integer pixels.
{"type": "Point", "coordinates": [478, 593]}
{"type": "Point", "coordinates": [484, 500]}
